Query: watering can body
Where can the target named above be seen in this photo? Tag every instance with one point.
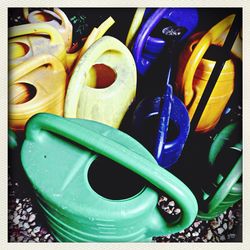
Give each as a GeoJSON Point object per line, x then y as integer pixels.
{"type": "Point", "coordinates": [148, 46]}
{"type": "Point", "coordinates": [195, 67]}
{"type": "Point", "coordinates": [146, 123]}
{"type": "Point", "coordinates": [84, 201]}
{"type": "Point", "coordinates": [103, 83]}
{"type": "Point", "coordinates": [37, 85]}
{"type": "Point", "coordinates": [55, 18]}
{"type": "Point", "coordinates": [29, 40]}
{"type": "Point", "coordinates": [225, 160]}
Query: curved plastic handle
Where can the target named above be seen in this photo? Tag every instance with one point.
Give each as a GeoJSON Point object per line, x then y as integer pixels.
{"type": "Point", "coordinates": [225, 186]}
{"type": "Point", "coordinates": [213, 36]}
{"type": "Point", "coordinates": [33, 63]}
{"type": "Point", "coordinates": [37, 28]}
{"type": "Point", "coordinates": [65, 21]}
{"type": "Point", "coordinates": [145, 31]}
{"type": "Point", "coordinates": [136, 22]}
{"type": "Point", "coordinates": [148, 170]}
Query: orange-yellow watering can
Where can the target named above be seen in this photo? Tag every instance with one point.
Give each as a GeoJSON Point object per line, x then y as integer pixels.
{"type": "Point", "coordinates": [103, 83]}
{"type": "Point", "coordinates": [37, 85]}
{"type": "Point", "coordinates": [28, 40]}
{"type": "Point", "coordinates": [56, 18]}
{"type": "Point", "coordinates": [195, 66]}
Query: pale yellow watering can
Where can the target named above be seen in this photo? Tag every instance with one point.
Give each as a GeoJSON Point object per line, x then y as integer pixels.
{"type": "Point", "coordinates": [55, 18]}
{"type": "Point", "coordinates": [195, 69]}
{"type": "Point", "coordinates": [37, 85]}
{"type": "Point", "coordinates": [29, 40]}
{"type": "Point", "coordinates": [103, 83]}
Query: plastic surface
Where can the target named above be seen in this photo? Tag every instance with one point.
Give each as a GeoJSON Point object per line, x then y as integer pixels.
{"type": "Point", "coordinates": [227, 183]}
{"type": "Point", "coordinates": [36, 85]}
{"type": "Point", "coordinates": [147, 48]}
{"type": "Point", "coordinates": [32, 39]}
{"type": "Point", "coordinates": [97, 33]}
{"type": "Point", "coordinates": [55, 18]}
{"type": "Point", "coordinates": [12, 139]}
{"type": "Point", "coordinates": [58, 156]}
{"type": "Point", "coordinates": [103, 83]}
{"type": "Point", "coordinates": [194, 72]}
{"type": "Point", "coordinates": [149, 110]}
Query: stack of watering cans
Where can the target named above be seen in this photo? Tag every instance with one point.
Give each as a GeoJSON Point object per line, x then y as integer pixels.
{"type": "Point", "coordinates": [70, 102]}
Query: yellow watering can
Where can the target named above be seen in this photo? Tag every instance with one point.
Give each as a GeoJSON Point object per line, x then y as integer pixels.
{"type": "Point", "coordinates": [28, 40]}
{"type": "Point", "coordinates": [195, 67]}
{"type": "Point", "coordinates": [55, 18]}
{"type": "Point", "coordinates": [37, 85]}
{"type": "Point", "coordinates": [103, 83]}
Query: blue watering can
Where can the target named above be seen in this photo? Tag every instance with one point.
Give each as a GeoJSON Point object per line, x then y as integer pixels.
{"type": "Point", "coordinates": [170, 112]}
{"type": "Point", "coordinates": [148, 45]}
{"type": "Point", "coordinates": [166, 144]}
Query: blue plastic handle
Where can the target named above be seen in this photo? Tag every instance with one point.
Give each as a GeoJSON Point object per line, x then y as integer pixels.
{"type": "Point", "coordinates": [147, 48]}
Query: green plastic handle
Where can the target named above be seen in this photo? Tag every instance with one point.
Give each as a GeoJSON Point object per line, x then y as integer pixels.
{"type": "Point", "coordinates": [152, 172]}
{"type": "Point", "coordinates": [225, 186]}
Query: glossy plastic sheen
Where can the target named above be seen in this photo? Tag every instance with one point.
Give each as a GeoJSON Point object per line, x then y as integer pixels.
{"type": "Point", "coordinates": [12, 139]}
{"type": "Point", "coordinates": [146, 49]}
{"type": "Point", "coordinates": [107, 104]}
{"type": "Point", "coordinates": [57, 155]}
{"type": "Point", "coordinates": [194, 72]}
{"type": "Point", "coordinates": [229, 187]}
{"type": "Point", "coordinates": [31, 39]}
{"type": "Point", "coordinates": [36, 85]}
{"type": "Point", "coordinates": [55, 18]}
{"type": "Point", "coordinates": [177, 114]}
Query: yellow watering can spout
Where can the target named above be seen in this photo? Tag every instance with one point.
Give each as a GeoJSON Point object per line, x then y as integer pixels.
{"type": "Point", "coordinates": [21, 40]}
{"type": "Point", "coordinates": [136, 22]}
{"type": "Point", "coordinates": [35, 86]}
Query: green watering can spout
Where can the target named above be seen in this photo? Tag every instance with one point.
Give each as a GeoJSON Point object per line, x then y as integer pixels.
{"type": "Point", "coordinates": [79, 142]}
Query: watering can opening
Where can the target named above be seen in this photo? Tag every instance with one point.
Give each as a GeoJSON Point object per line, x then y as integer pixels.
{"type": "Point", "coordinates": [100, 76]}
{"type": "Point", "coordinates": [110, 180]}
{"type": "Point", "coordinates": [21, 92]}
{"type": "Point", "coordinates": [18, 49]}
{"type": "Point", "coordinates": [45, 17]}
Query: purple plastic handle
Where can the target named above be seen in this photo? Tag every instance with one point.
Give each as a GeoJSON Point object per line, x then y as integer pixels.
{"type": "Point", "coordinates": [147, 28]}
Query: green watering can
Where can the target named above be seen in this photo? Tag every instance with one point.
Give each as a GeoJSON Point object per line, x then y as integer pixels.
{"type": "Point", "coordinates": [96, 183]}
{"type": "Point", "coordinates": [225, 160]}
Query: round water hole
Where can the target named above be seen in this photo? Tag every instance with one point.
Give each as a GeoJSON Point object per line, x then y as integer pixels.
{"type": "Point", "coordinates": [100, 76]}
{"type": "Point", "coordinates": [21, 92]}
{"type": "Point", "coordinates": [113, 181]}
